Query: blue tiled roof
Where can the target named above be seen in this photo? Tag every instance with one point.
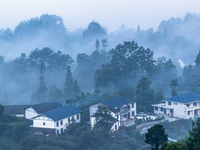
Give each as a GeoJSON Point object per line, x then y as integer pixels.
{"type": "Point", "coordinates": [185, 98]}
{"type": "Point", "coordinates": [63, 112]}
{"type": "Point", "coordinates": [115, 102]}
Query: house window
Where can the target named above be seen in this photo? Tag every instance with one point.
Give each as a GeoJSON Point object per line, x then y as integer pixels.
{"type": "Point", "coordinates": [156, 108]}
{"type": "Point", "coordinates": [195, 104]}
{"type": "Point", "coordinates": [188, 105]}
{"type": "Point", "coordinates": [125, 116]}
{"type": "Point", "coordinates": [43, 123]}
{"type": "Point", "coordinates": [115, 127]}
{"type": "Point", "coordinates": [61, 122]}
{"type": "Point", "coordinates": [61, 130]}
{"type": "Point", "coordinates": [161, 109]}
{"type": "Point", "coordinates": [171, 110]}
{"type": "Point", "coordinates": [77, 116]}
{"type": "Point", "coordinates": [133, 105]}
{"type": "Point", "coordinates": [57, 124]}
{"type": "Point", "coordinates": [169, 103]}
{"type": "Point", "coordinates": [188, 112]}
{"type": "Point", "coordinates": [57, 131]}
{"type": "Point", "coordinates": [133, 113]}
{"type": "Point", "coordinates": [68, 120]}
{"type": "Point", "coordinates": [72, 118]}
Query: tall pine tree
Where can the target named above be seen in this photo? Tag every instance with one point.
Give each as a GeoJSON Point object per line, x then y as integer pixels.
{"type": "Point", "coordinates": [41, 94]}
{"type": "Point", "coordinates": [69, 84]}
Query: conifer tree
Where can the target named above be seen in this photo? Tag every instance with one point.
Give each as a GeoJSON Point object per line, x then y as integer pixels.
{"type": "Point", "coordinates": [41, 94]}
{"type": "Point", "coordinates": [104, 44]}
{"type": "Point", "coordinates": [97, 45]}
{"type": "Point", "coordinates": [69, 84]}
{"type": "Point", "coordinates": [76, 87]}
{"type": "Point", "coordinates": [173, 85]}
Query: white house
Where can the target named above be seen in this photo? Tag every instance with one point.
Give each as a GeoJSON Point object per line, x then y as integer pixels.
{"type": "Point", "coordinates": [57, 119]}
{"type": "Point", "coordinates": [35, 110]}
{"type": "Point", "coordinates": [185, 105]}
{"type": "Point", "coordinates": [121, 109]}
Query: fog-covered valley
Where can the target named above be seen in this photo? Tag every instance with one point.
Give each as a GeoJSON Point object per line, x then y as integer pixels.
{"type": "Point", "coordinates": [159, 55]}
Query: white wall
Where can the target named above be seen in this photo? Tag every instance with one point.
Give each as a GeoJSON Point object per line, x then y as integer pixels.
{"type": "Point", "coordinates": [158, 111]}
{"type": "Point", "coordinates": [132, 109]}
{"type": "Point", "coordinates": [45, 122]}
{"type": "Point", "coordinates": [30, 113]}
{"type": "Point", "coordinates": [38, 122]}
{"type": "Point", "coordinates": [66, 123]}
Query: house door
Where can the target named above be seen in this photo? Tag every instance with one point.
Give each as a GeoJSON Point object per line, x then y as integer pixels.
{"type": "Point", "coordinates": [165, 111]}
{"type": "Point", "coordinates": [129, 115]}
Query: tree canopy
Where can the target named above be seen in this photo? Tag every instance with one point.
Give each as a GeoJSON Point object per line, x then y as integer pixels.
{"type": "Point", "coordinates": [156, 136]}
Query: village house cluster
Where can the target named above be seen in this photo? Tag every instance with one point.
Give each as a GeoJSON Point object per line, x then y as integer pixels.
{"type": "Point", "coordinates": [53, 118]}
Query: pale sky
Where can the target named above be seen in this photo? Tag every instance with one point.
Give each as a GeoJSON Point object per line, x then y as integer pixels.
{"type": "Point", "coordinates": [109, 13]}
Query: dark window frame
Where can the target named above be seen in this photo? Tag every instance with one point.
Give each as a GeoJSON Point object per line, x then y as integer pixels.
{"type": "Point", "coordinates": [133, 113]}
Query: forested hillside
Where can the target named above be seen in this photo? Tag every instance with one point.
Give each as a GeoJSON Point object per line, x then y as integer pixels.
{"type": "Point", "coordinates": [90, 64]}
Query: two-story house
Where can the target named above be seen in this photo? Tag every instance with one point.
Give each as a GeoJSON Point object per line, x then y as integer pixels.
{"type": "Point", "coordinates": [57, 119]}
{"type": "Point", "coordinates": [121, 109]}
{"type": "Point", "coordinates": [185, 105]}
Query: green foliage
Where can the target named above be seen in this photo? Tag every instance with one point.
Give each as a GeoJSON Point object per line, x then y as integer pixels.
{"type": "Point", "coordinates": [48, 147]}
{"type": "Point", "coordinates": [18, 130]}
{"type": "Point", "coordinates": [156, 136]}
{"type": "Point", "coordinates": [9, 144]}
{"type": "Point", "coordinates": [1, 110]}
{"type": "Point", "coordinates": [41, 94]}
{"type": "Point", "coordinates": [30, 141]}
{"type": "Point", "coordinates": [71, 87]}
{"type": "Point", "coordinates": [144, 95]}
{"type": "Point", "coordinates": [104, 44]}
{"type": "Point", "coordinates": [54, 94]}
{"type": "Point", "coordinates": [126, 91]}
{"type": "Point", "coordinates": [174, 146]}
{"type": "Point", "coordinates": [173, 85]}
{"type": "Point", "coordinates": [97, 45]}
{"type": "Point", "coordinates": [94, 30]}
{"type": "Point", "coordinates": [104, 76]}
{"type": "Point", "coordinates": [193, 141]}
{"type": "Point", "coordinates": [159, 96]}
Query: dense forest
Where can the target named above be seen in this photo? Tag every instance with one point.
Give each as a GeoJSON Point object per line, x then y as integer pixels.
{"type": "Point", "coordinates": [89, 65]}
